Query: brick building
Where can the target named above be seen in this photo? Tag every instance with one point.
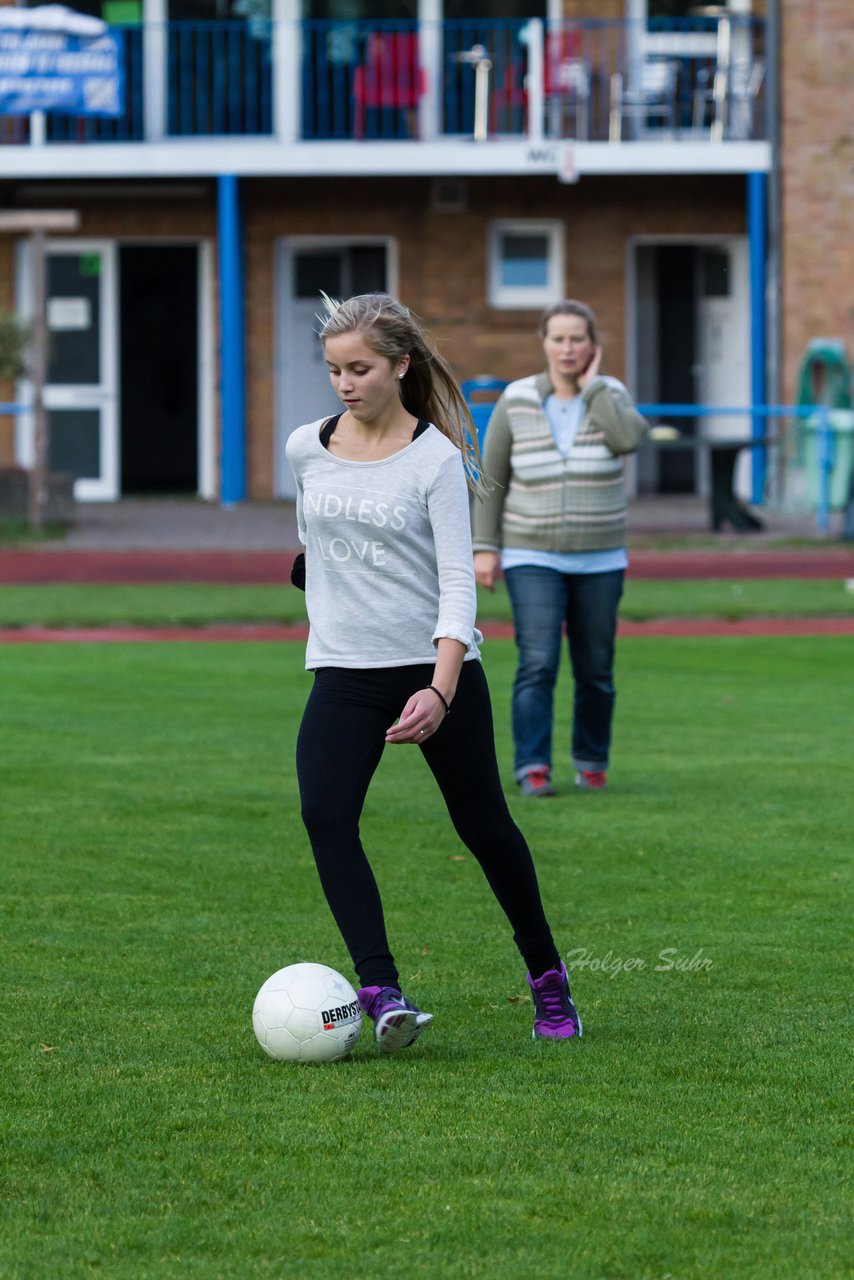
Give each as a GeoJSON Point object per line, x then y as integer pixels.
{"type": "Point", "coordinates": [479, 161]}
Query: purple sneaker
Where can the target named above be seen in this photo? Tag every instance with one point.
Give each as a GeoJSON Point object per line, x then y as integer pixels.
{"type": "Point", "coordinates": [397, 1021]}
{"type": "Point", "coordinates": [555, 1016]}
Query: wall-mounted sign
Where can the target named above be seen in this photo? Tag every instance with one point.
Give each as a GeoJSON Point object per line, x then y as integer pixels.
{"type": "Point", "coordinates": [69, 313]}
{"type": "Point", "coordinates": [59, 70]}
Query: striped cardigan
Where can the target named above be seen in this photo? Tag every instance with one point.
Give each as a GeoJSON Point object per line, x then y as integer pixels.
{"type": "Point", "coordinates": [542, 500]}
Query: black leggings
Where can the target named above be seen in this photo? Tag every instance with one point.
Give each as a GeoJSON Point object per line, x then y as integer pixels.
{"type": "Point", "coordinates": [340, 743]}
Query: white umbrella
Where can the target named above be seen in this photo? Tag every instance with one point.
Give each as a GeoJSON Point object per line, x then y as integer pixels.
{"type": "Point", "coordinates": [51, 17]}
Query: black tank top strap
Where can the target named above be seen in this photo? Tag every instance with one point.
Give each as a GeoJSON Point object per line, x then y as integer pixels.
{"type": "Point", "coordinates": [331, 423]}
{"type": "Point", "coordinates": [328, 427]}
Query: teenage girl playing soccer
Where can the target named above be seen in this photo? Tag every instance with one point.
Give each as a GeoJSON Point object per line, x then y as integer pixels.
{"type": "Point", "coordinates": [383, 513]}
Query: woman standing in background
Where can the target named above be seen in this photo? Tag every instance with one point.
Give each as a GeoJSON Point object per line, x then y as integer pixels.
{"type": "Point", "coordinates": [555, 523]}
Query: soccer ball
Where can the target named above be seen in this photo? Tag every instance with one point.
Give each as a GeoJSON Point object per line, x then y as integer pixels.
{"type": "Point", "coordinates": [307, 1013]}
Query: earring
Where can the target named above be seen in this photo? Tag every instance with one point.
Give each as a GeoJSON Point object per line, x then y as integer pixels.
{"type": "Point", "coordinates": [400, 375]}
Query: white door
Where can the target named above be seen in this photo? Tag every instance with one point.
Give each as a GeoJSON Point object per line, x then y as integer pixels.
{"type": "Point", "coordinates": [81, 387]}
{"type": "Point", "coordinates": [302, 379]}
{"type": "Point", "coordinates": [723, 344]}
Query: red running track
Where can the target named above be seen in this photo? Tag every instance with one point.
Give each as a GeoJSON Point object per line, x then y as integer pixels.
{"type": "Point", "coordinates": [664, 627]}
{"type": "Point", "coordinates": [272, 567]}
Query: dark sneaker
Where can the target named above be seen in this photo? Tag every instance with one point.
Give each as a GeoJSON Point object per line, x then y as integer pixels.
{"type": "Point", "coordinates": [555, 1016]}
{"type": "Point", "coordinates": [537, 781]}
{"type": "Point", "coordinates": [397, 1021]}
{"type": "Point", "coordinates": [590, 780]}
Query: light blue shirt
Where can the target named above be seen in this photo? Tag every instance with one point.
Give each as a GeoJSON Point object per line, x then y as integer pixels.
{"type": "Point", "coordinates": [564, 419]}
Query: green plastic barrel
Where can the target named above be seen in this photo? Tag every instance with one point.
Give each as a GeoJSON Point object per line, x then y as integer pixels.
{"type": "Point", "coordinates": [840, 445]}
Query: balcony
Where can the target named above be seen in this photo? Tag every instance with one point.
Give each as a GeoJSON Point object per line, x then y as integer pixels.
{"type": "Point", "coordinates": [602, 90]}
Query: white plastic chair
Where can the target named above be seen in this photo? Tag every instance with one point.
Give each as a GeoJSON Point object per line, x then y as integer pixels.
{"type": "Point", "coordinates": [651, 97]}
{"type": "Point", "coordinates": [745, 83]}
{"type": "Point", "coordinates": [567, 84]}
{"type": "Point", "coordinates": [731, 94]}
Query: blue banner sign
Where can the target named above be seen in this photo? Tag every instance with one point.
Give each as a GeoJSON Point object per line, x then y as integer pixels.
{"type": "Point", "coordinates": [56, 71]}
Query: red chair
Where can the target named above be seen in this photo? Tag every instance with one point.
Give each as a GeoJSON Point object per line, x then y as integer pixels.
{"type": "Point", "coordinates": [390, 78]}
{"type": "Point", "coordinates": [566, 83]}
{"type": "Point", "coordinates": [566, 88]}
{"type": "Point", "coordinates": [508, 101]}
{"type": "Point", "coordinates": [563, 46]}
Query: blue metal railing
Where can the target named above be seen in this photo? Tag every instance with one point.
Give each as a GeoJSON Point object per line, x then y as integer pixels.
{"type": "Point", "coordinates": [330, 55]}
{"type": "Point", "coordinates": [824, 431]}
{"type": "Point", "coordinates": [220, 78]}
{"type": "Point", "coordinates": [825, 434]}
{"type": "Point", "coordinates": [505, 44]}
{"type": "Point", "coordinates": [367, 78]}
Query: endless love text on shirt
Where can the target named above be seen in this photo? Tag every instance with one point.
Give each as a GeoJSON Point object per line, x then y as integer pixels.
{"type": "Point", "coordinates": [330, 506]}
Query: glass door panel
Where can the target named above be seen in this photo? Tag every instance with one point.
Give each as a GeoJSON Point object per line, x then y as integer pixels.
{"type": "Point", "coordinates": [81, 387]}
{"type": "Point", "coordinates": [74, 318]}
{"type": "Point", "coordinates": [341, 270]}
{"type": "Point", "coordinates": [75, 442]}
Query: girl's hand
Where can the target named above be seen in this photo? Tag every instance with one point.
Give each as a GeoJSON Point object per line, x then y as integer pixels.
{"type": "Point", "coordinates": [592, 370]}
{"type": "Point", "coordinates": [486, 568]}
{"type": "Point", "coordinates": [419, 719]}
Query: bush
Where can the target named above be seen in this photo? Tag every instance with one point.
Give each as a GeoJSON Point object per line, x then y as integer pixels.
{"type": "Point", "coordinates": [15, 337]}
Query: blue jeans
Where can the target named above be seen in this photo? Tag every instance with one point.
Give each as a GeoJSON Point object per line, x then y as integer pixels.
{"type": "Point", "coordinates": [543, 600]}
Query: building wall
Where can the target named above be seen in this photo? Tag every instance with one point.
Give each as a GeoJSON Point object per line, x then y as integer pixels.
{"type": "Point", "coordinates": [817, 178]}
{"type": "Point", "coordinates": [443, 262]}
{"type": "Point", "coordinates": [123, 212]}
{"type": "Point", "coordinates": [595, 10]}
{"type": "Point", "coordinates": [7, 390]}
{"type": "Point", "coordinates": [442, 259]}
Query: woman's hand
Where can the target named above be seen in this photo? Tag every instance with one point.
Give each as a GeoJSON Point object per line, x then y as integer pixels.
{"type": "Point", "coordinates": [486, 568]}
{"type": "Point", "coordinates": [592, 370]}
{"type": "Point", "coordinates": [426, 709]}
{"type": "Point", "coordinates": [419, 719]}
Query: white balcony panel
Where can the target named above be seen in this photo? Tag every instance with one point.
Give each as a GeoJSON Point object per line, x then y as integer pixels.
{"type": "Point", "coordinates": [253, 157]}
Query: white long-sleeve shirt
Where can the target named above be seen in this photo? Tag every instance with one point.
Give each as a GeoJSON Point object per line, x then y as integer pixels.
{"type": "Point", "coordinates": [388, 552]}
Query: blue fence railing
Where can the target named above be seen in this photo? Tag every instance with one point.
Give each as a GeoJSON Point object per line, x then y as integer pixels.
{"type": "Point", "coordinates": [824, 440]}
{"type": "Point", "coordinates": [220, 78]}
{"type": "Point", "coordinates": [826, 444]}
{"type": "Point", "coordinates": [363, 79]}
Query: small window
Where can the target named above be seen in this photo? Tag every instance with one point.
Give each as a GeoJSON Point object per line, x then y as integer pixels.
{"type": "Point", "coordinates": [525, 264]}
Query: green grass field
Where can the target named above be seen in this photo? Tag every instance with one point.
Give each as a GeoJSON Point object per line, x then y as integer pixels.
{"type": "Point", "coordinates": [196, 604]}
{"type": "Point", "coordinates": [156, 872]}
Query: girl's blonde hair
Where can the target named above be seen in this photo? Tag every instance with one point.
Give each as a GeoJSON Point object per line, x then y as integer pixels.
{"type": "Point", "coordinates": [429, 388]}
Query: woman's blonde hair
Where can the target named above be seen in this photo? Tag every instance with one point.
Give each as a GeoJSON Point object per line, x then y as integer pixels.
{"type": "Point", "coordinates": [429, 389]}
